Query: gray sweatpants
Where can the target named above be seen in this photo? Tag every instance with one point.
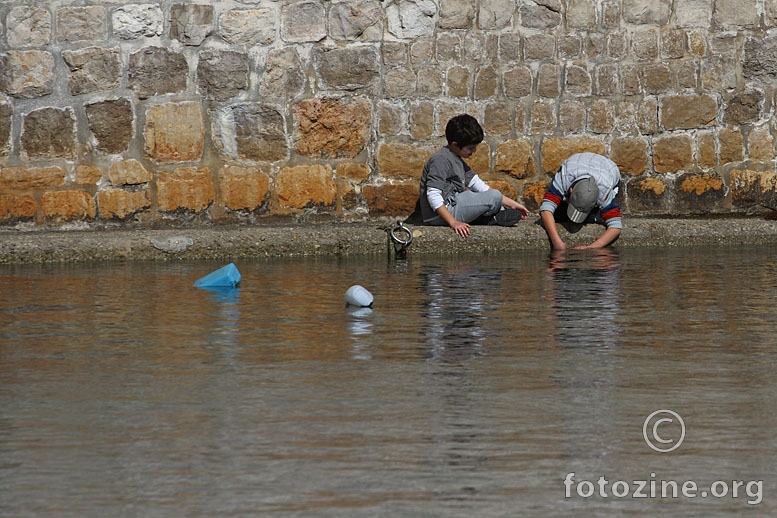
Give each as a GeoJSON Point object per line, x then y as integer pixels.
{"type": "Point", "coordinates": [467, 206]}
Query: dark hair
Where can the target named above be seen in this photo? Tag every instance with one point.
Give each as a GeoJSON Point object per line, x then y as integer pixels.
{"type": "Point", "coordinates": [464, 130]}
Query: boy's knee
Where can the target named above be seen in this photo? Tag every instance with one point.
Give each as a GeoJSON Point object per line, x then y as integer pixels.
{"type": "Point", "coordinates": [495, 199]}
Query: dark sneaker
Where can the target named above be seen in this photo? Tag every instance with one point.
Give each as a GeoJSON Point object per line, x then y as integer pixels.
{"type": "Point", "coordinates": [507, 217]}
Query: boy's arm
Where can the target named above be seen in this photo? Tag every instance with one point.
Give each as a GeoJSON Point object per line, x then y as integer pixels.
{"type": "Point", "coordinates": [549, 224]}
{"type": "Point", "coordinates": [607, 237]}
{"type": "Point", "coordinates": [459, 227]}
{"type": "Point", "coordinates": [509, 203]}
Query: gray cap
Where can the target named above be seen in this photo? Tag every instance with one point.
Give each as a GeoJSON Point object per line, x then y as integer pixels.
{"type": "Point", "coordinates": [583, 199]}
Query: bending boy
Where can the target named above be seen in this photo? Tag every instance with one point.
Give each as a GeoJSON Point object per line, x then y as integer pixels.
{"type": "Point", "coordinates": [583, 191]}
{"type": "Point", "coordinates": [452, 194]}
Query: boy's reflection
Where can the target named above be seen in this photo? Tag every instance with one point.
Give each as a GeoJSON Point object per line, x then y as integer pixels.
{"type": "Point", "coordinates": [456, 310]}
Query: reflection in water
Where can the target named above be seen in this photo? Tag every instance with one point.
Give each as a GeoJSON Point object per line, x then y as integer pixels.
{"type": "Point", "coordinates": [360, 326]}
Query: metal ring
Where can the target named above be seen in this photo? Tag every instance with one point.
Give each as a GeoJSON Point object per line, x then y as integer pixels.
{"type": "Point", "coordinates": [402, 228]}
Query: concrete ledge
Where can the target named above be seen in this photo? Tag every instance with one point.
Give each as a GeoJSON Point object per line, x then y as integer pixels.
{"type": "Point", "coordinates": [357, 238]}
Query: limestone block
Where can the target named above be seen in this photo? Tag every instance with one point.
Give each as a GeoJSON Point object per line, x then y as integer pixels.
{"type": "Point", "coordinates": [247, 27]}
{"type": "Point", "coordinates": [606, 79]}
{"type": "Point", "coordinates": [744, 108]}
{"type": "Point", "coordinates": [174, 132]}
{"type": "Point", "coordinates": [647, 116]}
{"type": "Point", "coordinates": [399, 82]}
{"type": "Point", "coordinates": [693, 13]}
{"type": "Point", "coordinates": [569, 46]}
{"type": "Point", "coordinates": [92, 69]}
{"type": "Point", "coordinates": [430, 82]}
{"type": "Point", "coordinates": [657, 79]}
{"type": "Point", "coordinates": [353, 171]}
{"type": "Point", "coordinates": [630, 154]}
{"type": "Point", "coordinates": [49, 133]}
{"type": "Point", "coordinates": [497, 119]}
{"type": "Point", "coordinates": [571, 116]}
{"type": "Point", "coordinates": [411, 19]}
{"type": "Point", "coordinates": [332, 127]}
{"type": "Point", "coordinates": [648, 195]}
{"type": "Point", "coordinates": [495, 15]}
{"type": "Point", "coordinates": [17, 207]}
{"type": "Point", "coordinates": [27, 74]}
{"type": "Point", "coordinates": [601, 116]}
{"type": "Point", "coordinates": [186, 188]}
{"type": "Point", "coordinates": [22, 179]}
{"type": "Point", "coordinates": [222, 74]}
{"type": "Point", "coordinates": [112, 124]}
{"type": "Point", "coordinates": [515, 157]}
{"type": "Point", "coordinates": [760, 59]}
{"type": "Point", "coordinates": [458, 81]}
{"type": "Point", "coordinates": [242, 188]}
{"type": "Point", "coordinates": [688, 111]}
{"type": "Point", "coordinates": [390, 118]}
{"type": "Point", "coordinates": [518, 82]}
{"type": "Point", "coordinates": [750, 188]}
{"type": "Point", "coordinates": [510, 47]}
{"type": "Point", "coordinates": [557, 149]}
{"type": "Point", "coordinates": [539, 46]}
{"type": "Point", "coordinates": [543, 117]}
{"type": "Point", "coordinates": [644, 44]}
{"type": "Point", "coordinates": [191, 23]}
{"type": "Point", "coordinates": [252, 131]}
{"type": "Point", "coordinates": [82, 24]}
{"type": "Point", "coordinates": [348, 68]}
{"type": "Point", "coordinates": [533, 193]}
{"type": "Point", "coordinates": [283, 74]}
{"type": "Point", "coordinates": [732, 144]}
{"type": "Point", "coordinates": [303, 22]}
{"type": "Point", "coordinates": [422, 120]}
{"type": "Point", "coordinates": [68, 205]}
{"type": "Point", "coordinates": [6, 124]}
{"type": "Point", "coordinates": [706, 155]}
{"type": "Point", "coordinates": [718, 73]}
{"type": "Point", "coordinates": [304, 186]}
{"type": "Point", "coordinates": [760, 144]}
{"type": "Point", "coordinates": [402, 161]}
{"type": "Point", "coordinates": [581, 14]}
{"type": "Point", "coordinates": [120, 204]}
{"type": "Point", "coordinates": [699, 193]}
{"type": "Point", "coordinates": [736, 13]}
{"type": "Point", "coordinates": [134, 21]}
{"type": "Point", "coordinates": [88, 175]}
{"type": "Point", "coordinates": [456, 14]}
{"type": "Point", "coordinates": [157, 70]}
{"type": "Point", "coordinates": [391, 199]}
{"type": "Point", "coordinates": [28, 26]}
{"type": "Point", "coordinates": [449, 47]}
{"type": "Point", "coordinates": [540, 14]}
{"type": "Point", "coordinates": [578, 81]}
{"type": "Point", "coordinates": [129, 172]}
{"type": "Point", "coordinates": [611, 14]}
{"type": "Point", "coordinates": [656, 12]}
{"type": "Point", "coordinates": [359, 20]}
{"type": "Point", "coordinates": [480, 161]}
{"type": "Point", "coordinates": [672, 153]}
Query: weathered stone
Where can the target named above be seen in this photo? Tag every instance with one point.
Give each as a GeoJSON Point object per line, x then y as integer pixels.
{"type": "Point", "coordinates": [421, 51]}
{"type": "Point", "coordinates": [656, 79]}
{"type": "Point", "coordinates": [688, 111]}
{"type": "Point", "coordinates": [496, 14]}
{"type": "Point", "coordinates": [411, 19]}
{"type": "Point", "coordinates": [243, 188]}
{"type": "Point", "coordinates": [601, 116]}
{"type": "Point", "coordinates": [672, 153]}
{"type": "Point", "coordinates": [647, 195]}
{"type": "Point", "coordinates": [456, 14]}
{"type": "Point", "coordinates": [88, 175]}
{"type": "Point", "coordinates": [750, 188]}
{"type": "Point", "coordinates": [222, 74]}
{"type": "Point", "coordinates": [510, 47]}
{"type": "Point", "coordinates": [486, 83]}
{"type": "Point", "coordinates": [68, 205]}
{"type": "Point", "coordinates": [305, 186]}
{"type": "Point", "coordinates": [248, 27]}
{"type": "Point", "coordinates": [731, 146]}
{"type": "Point", "coordinates": [49, 133]}
{"type": "Point", "coordinates": [134, 21]}
{"type": "Point", "coordinates": [480, 161]}
{"type": "Point", "coordinates": [644, 44]}
{"type": "Point", "coordinates": [353, 171]}
{"type": "Point", "coordinates": [673, 44]}
{"type": "Point", "coordinates": [654, 12]}
{"type": "Point", "coordinates": [359, 20]}
{"type": "Point", "coordinates": [458, 81]}
{"type": "Point", "coordinates": [736, 13]}
{"type": "Point", "coordinates": [577, 81]}
{"type": "Point", "coordinates": [112, 124]}
{"type": "Point", "coordinates": [557, 149]}
{"type": "Point", "coordinates": [594, 45]}
{"type": "Point", "coordinates": [760, 59]}
{"type": "Point", "coordinates": [82, 23]}
{"type": "Point", "coordinates": [303, 22]}
{"type": "Point", "coordinates": [422, 120]}
{"type": "Point", "coordinates": [394, 54]}
{"type": "Point", "coordinates": [517, 82]}
{"type": "Point", "coordinates": [539, 46]}
{"type": "Point", "coordinates": [129, 172]}
{"type": "Point", "coordinates": [92, 69]}
{"type": "Point", "coordinates": [156, 70]}
{"type": "Point", "coordinates": [533, 193]}
{"type": "Point", "coordinates": [718, 74]}
{"type": "Point", "coordinates": [687, 75]}
{"type": "Point", "coordinates": [548, 79]}
{"type": "Point", "coordinates": [706, 150]}
{"type": "Point", "coordinates": [332, 127]}
{"type": "Point", "coordinates": [571, 116]}
{"type": "Point", "coordinates": [283, 75]}
{"type": "Point", "coordinates": [617, 46]}
{"type": "Point", "coordinates": [398, 160]}
{"type": "Point", "coordinates": [191, 23]}
{"type": "Point", "coordinates": [28, 26]}
{"type": "Point", "coordinates": [174, 132]}
{"type": "Point", "coordinates": [760, 144]}
{"type": "Point", "coordinates": [6, 124]}
{"type": "Point", "coordinates": [515, 157]}
{"type": "Point", "coordinates": [399, 82]}
{"type": "Point", "coordinates": [743, 108]}
{"type": "Point", "coordinates": [27, 74]}
{"type": "Point", "coordinates": [449, 47]}
{"type": "Point", "coordinates": [543, 117]}
{"type": "Point", "coordinates": [569, 46]}
{"type": "Point", "coordinates": [21, 179]}
{"type": "Point", "coordinates": [540, 14]}
{"type": "Point", "coordinates": [253, 131]}
{"type": "Point", "coordinates": [630, 154]}
{"type": "Point", "coordinates": [581, 14]}
{"type": "Point", "coordinates": [185, 188]}
{"type": "Point", "coordinates": [390, 118]}
{"type": "Point", "coordinates": [391, 199]}
{"type": "Point", "coordinates": [348, 197]}
{"type": "Point", "coordinates": [693, 13]}
{"type": "Point", "coordinates": [120, 204]}
{"type": "Point", "coordinates": [611, 13]}
{"type": "Point", "coordinates": [697, 43]}
{"type": "Point", "coordinates": [699, 193]}
{"type": "Point", "coordinates": [497, 119]}
{"type": "Point", "coordinates": [17, 207]}
{"type": "Point", "coordinates": [430, 82]}
{"type": "Point", "coordinates": [647, 117]}
{"type": "Point", "coordinates": [629, 79]}
{"type": "Point", "coordinates": [348, 68]}
{"type": "Point", "coordinates": [606, 78]}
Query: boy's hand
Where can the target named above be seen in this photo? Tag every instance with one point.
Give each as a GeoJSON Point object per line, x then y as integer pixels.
{"type": "Point", "coordinates": [509, 203]}
{"type": "Point", "coordinates": [460, 228]}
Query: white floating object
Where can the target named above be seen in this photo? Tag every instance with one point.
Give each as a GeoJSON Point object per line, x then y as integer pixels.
{"type": "Point", "coordinates": [358, 296]}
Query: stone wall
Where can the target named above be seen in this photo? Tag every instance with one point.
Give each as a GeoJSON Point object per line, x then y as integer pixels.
{"type": "Point", "coordinates": [162, 113]}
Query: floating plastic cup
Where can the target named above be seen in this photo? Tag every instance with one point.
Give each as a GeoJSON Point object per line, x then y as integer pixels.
{"type": "Point", "coordinates": [225, 277]}
{"type": "Point", "coordinates": [358, 296]}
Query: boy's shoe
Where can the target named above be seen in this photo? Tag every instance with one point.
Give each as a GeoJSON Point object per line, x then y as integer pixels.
{"type": "Point", "coordinates": [506, 218]}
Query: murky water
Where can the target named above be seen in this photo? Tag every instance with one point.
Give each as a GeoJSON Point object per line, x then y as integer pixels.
{"type": "Point", "coordinates": [474, 387]}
